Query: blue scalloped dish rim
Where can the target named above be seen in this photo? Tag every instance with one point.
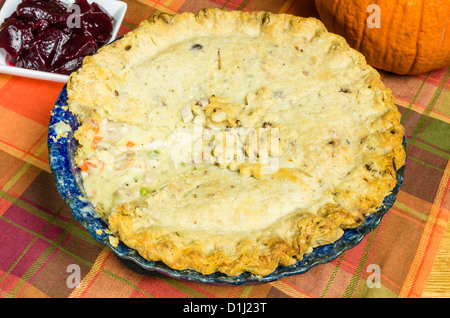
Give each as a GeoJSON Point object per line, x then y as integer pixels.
{"type": "Point", "coordinates": [62, 148]}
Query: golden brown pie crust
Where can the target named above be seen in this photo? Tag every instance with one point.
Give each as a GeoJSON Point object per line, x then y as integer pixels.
{"type": "Point", "coordinates": [371, 154]}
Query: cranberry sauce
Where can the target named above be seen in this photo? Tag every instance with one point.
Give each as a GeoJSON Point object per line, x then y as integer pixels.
{"type": "Point", "coordinates": [47, 36]}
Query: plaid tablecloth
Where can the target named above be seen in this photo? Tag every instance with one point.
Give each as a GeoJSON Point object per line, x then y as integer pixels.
{"type": "Point", "coordinates": [42, 245]}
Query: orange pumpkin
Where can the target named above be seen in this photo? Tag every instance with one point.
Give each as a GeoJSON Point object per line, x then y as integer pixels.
{"type": "Point", "coordinates": [402, 36]}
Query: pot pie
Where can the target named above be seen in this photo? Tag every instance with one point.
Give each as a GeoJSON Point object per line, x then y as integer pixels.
{"type": "Point", "coordinates": [229, 141]}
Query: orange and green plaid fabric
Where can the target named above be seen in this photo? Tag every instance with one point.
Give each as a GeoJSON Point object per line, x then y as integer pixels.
{"type": "Point", "coordinates": [40, 239]}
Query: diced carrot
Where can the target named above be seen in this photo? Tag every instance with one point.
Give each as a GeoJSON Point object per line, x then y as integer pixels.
{"type": "Point", "coordinates": [97, 138]}
{"type": "Point", "coordinates": [130, 144]}
{"type": "Point", "coordinates": [83, 166]}
{"type": "Point", "coordinates": [92, 163]}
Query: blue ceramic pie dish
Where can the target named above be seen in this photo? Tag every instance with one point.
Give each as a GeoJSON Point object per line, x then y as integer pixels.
{"type": "Point", "coordinates": [62, 148]}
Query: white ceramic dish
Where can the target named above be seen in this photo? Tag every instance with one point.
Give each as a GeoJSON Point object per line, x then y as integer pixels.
{"type": "Point", "coordinates": [114, 8]}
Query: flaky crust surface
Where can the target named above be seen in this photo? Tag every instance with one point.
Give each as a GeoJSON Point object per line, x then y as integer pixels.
{"type": "Point", "coordinates": [340, 137]}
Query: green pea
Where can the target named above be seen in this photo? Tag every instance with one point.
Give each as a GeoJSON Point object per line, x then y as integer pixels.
{"type": "Point", "coordinates": [144, 191]}
{"type": "Point", "coordinates": [154, 154]}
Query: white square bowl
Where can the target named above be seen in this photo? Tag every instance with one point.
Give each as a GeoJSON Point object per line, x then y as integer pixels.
{"type": "Point", "coordinates": [114, 8]}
